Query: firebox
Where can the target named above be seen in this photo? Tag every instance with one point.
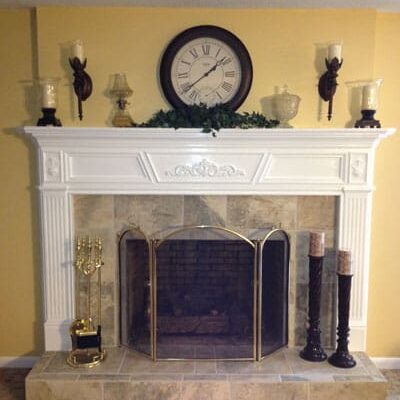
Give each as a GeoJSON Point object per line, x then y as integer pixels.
{"type": "Point", "coordinates": [204, 292]}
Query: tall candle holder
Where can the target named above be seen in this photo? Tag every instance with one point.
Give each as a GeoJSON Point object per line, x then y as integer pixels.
{"type": "Point", "coordinates": [87, 350]}
{"type": "Point", "coordinates": [341, 358]}
{"type": "Point", "coordinates": [48, 90]}
{"type": "Point", "coordinates": [83, 85]}
{"type": "Point", "coordinates": [313, 350]}
{"type": "Point", "coordinates": [369, 104]}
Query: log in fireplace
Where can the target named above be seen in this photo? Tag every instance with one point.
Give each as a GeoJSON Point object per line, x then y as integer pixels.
{"type": "Point", "coordinates": [204, 292]}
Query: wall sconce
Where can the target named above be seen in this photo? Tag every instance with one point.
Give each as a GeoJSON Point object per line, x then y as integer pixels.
{"type": "Point", "coordinates": [48, 89]}
{"type": "Point", "coordinates": [121, 90]}
{"type": "Point", "coordinates": [369, 104]}
{"type": "Point", "coordinates": [83, 85]}
{"type": "Point", "coordinates": [327, 83]}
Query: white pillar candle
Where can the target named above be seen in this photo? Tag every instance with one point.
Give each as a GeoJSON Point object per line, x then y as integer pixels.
{"type": "Point", "coordinates": [344, 263]}
{"type": "Point", "coordinates": [77, 50]}
{"type": "Point", "coordinates": [317, 244]}
{"type": "Point", "coordinates": [49, 94]}
{"type": "Point", "coordinates": [335, 50]}
{"type": "Point", "coordinates": [370, 97]}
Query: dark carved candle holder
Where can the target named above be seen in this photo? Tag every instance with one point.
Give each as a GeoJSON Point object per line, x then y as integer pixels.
{"type": "Point", "coordinates": [49, 118]}
{"type": "Point", "coordinates": [313, 350]}
{"type": "Point", "coordinates": [341, 357]}
{"type": "Point", "coordinates": [327, 83]}
{"type": "Point", "coordinates": [83, 85]}
{"type": "Point", "coordinates": [367, 120]}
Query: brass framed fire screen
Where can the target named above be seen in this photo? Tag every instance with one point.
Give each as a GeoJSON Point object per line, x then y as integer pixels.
{"type": "Point", "coordinates": [204, 292]}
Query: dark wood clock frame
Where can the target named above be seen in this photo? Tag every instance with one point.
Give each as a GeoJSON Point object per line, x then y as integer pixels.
{"type": "Point", "coordinates": [212, 32]}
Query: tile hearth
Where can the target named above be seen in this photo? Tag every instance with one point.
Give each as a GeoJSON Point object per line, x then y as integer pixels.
{"type": "Point", "coordinates": [128, 375]}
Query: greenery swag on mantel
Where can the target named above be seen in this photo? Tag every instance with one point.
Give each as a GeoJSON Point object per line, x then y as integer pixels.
{"type": "Point", "coordinates": [209, 119]}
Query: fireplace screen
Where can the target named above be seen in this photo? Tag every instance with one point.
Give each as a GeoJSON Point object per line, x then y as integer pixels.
{"type": "Point", "coordinates": [204, 293]}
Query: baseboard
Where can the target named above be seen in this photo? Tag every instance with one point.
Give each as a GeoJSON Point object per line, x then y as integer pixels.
{"type": "Point", "coordinates": [17, 362]}
{"type": "Point", "coordinates": [386, 362]}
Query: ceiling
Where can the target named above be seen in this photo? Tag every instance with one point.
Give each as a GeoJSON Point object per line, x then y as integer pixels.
{"type": "Point", "coordinates": [382, 5]}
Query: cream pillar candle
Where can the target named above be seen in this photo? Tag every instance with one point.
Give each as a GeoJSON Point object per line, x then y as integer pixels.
{"type": "Point", "coordinates": [317, 244]}
{"type": "Point", "coordinates": [335, 50]}
{"type": "Point", "coordinates": [344, 263]}
{"type": "Point", "coordinates": [77, 50]}
{"type": "Point", "coordinates": [370, 97]}
{"type": "Point", "coordinates": [49, 93]}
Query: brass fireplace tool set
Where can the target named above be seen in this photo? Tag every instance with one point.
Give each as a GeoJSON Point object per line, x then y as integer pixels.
{"type": "Point", "coordinates": [85, 335]}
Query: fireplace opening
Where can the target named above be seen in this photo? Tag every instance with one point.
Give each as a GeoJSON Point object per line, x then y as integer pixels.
{"type": "Point", "coordinates": [204, 292]}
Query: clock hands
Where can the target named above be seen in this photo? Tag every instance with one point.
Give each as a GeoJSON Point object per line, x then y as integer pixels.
{"type": "Point", "coordinates": [217, 64]}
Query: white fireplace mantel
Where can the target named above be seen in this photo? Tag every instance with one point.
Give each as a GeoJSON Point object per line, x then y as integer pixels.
{"type": "Point", "coordinates": [337, 162]}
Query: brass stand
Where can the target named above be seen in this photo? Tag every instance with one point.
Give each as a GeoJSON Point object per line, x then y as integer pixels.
{"type": "Point", "coordinates": [86, 338]}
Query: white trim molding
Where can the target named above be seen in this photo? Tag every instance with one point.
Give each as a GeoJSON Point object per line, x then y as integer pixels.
{"type": "Point", "coordinates": [18, 362]}
{"type": "Point", "coordinates": [386, 362]}
{"type": "Point", "coordinates": [337, 162]}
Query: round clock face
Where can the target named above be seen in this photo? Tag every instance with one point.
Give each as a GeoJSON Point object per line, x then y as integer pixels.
{"type": "Point", "coordinates": [208, 65]}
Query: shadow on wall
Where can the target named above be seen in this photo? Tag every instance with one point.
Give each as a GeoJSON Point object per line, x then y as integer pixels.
{"type": "Point", "coordinates": [321, 53]}
{"type": "Point", "coordinates": [354, 103]}
{"type": "Point", "coordinates": [65, 54]}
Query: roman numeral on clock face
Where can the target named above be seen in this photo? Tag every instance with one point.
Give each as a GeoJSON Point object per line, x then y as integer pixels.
{"type": "Point", "coordinates": [229, 74]}
{"type": "Point", "coordinates": [193, 95]}
{"type": "Point", "coordinates": [226, 86]}
{"type": "Point", "coordinates": [194, 53]}
{"type": "Point", "coordinates": [185, 87]}
{"type": "Point", "coordinates": [183, 75]}
{"type": "Point", "coordinates": [206, 49]}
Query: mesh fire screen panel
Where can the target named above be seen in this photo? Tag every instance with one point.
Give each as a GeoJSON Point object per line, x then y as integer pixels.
{"type": "Point", "coordinates": [194, 294]}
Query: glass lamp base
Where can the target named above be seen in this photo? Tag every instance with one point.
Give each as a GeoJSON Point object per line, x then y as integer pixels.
{"type": "Point", "coordinates": [122, 119]}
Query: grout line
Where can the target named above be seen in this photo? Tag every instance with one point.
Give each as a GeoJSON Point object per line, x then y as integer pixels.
{"type": "Point", "coordinates": [122, 361]}
{"type": "Point", "coordinates": [47, 363]}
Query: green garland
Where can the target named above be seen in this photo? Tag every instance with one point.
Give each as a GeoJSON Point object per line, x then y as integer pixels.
{"type": "Point", "coordinates": [210, 119]}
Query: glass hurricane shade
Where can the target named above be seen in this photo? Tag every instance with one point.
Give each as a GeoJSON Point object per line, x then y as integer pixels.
{"type": "Point", "coordinates": [370, 94]}
{"type": "Point", "coordinates": [120, 87]}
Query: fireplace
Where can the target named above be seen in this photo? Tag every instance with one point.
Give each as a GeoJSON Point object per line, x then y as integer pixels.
{"type": "Point", "coordinates": [204, 292]}
{"type": "Point", "coordinates": [332, 163]}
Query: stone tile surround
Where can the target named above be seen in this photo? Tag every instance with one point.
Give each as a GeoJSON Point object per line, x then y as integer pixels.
{"type": "Point", "coordinates": [108, 215]}
{"type": "Point", "coordinates": [128, 375]}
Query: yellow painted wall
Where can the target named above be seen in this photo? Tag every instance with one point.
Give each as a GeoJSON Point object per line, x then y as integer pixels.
{"type": "Point", "coordinates": [284, 48]}
{"type": "Point", "coordinates": [384, 316]}
{"type": "Point", "coordinates": [20, 308]}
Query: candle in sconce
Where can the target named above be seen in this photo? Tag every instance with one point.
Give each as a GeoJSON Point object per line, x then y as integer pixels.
{"type": "Point", "coordinates": [77, 50]}
{"type": "Point", "coordinates": [344, 263]}
{"type": "Point", "coordinates": [317, 244]}
{"type": "Point", "coordinates": [335, 50]}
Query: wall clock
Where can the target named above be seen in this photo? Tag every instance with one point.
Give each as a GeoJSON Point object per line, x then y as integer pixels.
{"type": "Point", "coordinates": [206, 64]}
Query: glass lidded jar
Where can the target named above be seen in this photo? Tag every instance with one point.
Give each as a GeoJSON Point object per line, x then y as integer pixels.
{"type": "Point", "coordinates": [285, 107]}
